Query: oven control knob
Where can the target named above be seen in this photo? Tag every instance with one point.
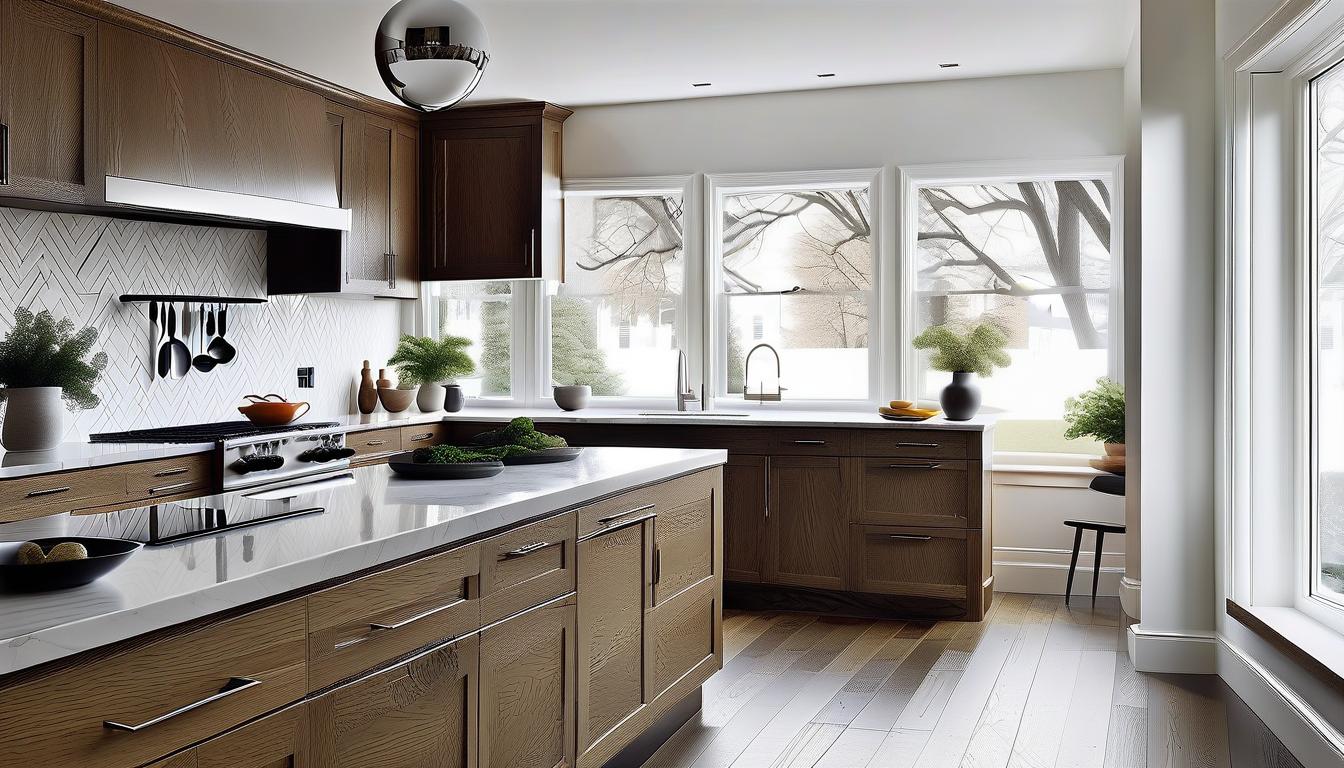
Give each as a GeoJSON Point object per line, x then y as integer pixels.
{"type": "Point", "coordinates": [258, 463]}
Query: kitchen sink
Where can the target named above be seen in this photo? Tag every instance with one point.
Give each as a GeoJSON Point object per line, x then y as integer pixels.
{"type": "Point", "coordinates": [708, 414]}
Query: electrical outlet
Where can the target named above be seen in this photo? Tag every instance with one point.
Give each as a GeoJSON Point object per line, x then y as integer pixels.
{"type": "Point", "coordinates": [307, 377]}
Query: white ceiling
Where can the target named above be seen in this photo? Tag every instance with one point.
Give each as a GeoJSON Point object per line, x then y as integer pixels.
{"type": "Point", "coordinates": [581, 52]}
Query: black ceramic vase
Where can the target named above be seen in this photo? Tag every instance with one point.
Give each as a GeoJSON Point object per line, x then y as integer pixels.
{"type": "Point", "coordinates": [961, 398]}
{"type": "Point", "coordinates": [453, 398]}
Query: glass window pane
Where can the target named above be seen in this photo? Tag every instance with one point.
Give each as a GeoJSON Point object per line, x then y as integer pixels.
{"type": "Point", "coordinates": [816, 245]}
{"type": "Point", "coordinates": [614, 321]}
{"type": "Point", "coordinates": [482, 312]}
{"type": "Point", "coordinates": [1328, 199]}
{"type": "Point", "coordinates": [1033, 257]}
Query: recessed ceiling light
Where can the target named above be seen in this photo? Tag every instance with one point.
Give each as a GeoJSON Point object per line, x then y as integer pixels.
{"type": "Point", "coordinates": [701, 85]}
{"type": "Point", "coordinates": [949, 65]}
{"type": "Point", "coordinates": [826, 74]}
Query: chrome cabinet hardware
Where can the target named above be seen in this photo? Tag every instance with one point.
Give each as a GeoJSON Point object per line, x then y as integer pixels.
{"type": "Point", "coordinates": [234, 685]}
{"type": "Point", "coordinates": [908, 537]}
{"type": "Point", "coordinates": [767, 489]}
{"type": "Point", "coordinates": [657, 565]}
{"type": "Point", "coordinates": [170, 487]}
{"type": "Point", "coordinates": [917, 445]}
{"type": "Point", "coordinates": [379, 627]}
{"type": "Point", "coordinates": [618, 526]}
{"type": "Point", "coordinates": [170, 472]}
{"type": "Point", "coordinates": [391, 269]}
{"type": "Point", "coordinates": [376, 442]}
{"type": "Point", "coordinates": [532, 251]}
{"type": "Point", "coordinates": [619, 515]}
{"type": "Point", "coordinates": [526, 550]}
{"type": "Point", "coordinates": [923, 465]}
{"type": "Point", "coordinates": [809, 442]}
{"type": "Point", "coordinates": [48, 492]}
{"type": "Point", "coordinates": [4, 155]}
{"type": "Point", "coordinates": [422, 436]}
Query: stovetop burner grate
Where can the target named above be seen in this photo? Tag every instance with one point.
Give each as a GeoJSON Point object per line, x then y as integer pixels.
{"type": "Point", "coordinates": [202, 433]}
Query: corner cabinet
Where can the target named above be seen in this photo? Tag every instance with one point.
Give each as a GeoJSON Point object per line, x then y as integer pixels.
{"type": "Point", "coordinates": [490, 202]}
{"type": "Point", "coordinates": [48, 142]}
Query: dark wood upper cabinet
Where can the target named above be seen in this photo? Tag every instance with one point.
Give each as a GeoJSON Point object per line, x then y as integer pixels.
{"type": "Point", "coordinates": [48, 65]}
{"type": "Point", "coordinates": [491, 204]}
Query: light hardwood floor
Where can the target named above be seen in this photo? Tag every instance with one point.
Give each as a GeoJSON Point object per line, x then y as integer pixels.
{"type": "Point", "coordinates": [1035, 685]}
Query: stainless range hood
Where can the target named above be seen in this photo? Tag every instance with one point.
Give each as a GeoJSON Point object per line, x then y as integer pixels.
{"type": "Point", "coordinates": [159, 196]}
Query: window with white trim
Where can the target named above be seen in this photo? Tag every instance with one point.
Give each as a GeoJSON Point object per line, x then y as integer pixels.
{"type": "Point", "coordinates": [482, 311]}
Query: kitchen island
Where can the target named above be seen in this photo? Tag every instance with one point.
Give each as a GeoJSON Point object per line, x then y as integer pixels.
{"type": "Point", "coordinates": [403, 613]}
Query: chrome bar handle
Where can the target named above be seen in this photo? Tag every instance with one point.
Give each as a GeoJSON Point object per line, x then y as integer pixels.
{"type": "Point", "coordinates": [908, 537]}
{"type": "Point", "coordinates": [421, 436]}
{"type": "Point", "coordinates": [391, 269]}
{"type": "Point", "coordinates": [526, 550]}
{"type": "Point", "coordinates": [48, 492]}
{"type": "Point", "coordinates": [609, 518]}
{"type": "Point", "coordinates": [809, 442]}
{"type": "Point", "coordinates": [170, 487]}
{"type": "Point", "coordinates": [4, 155]}
{"type": "Point", "coordinates": [404, 622]}
{"type": "Point", "coordinates": [170, 472]}
{"type": "Point", "coordinates": [234, 685]}
{"type": "Point", "coordinates": [926, 465]}
{"type": "Point", "coordinates": [618, 527]}
{"type": "Point", "coordinates": [917, 445]}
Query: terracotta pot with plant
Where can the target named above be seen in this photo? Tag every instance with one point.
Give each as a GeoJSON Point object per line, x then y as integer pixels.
{"type": "Point", "coordinates": [431, 364]}
{"type": "Point", "coordinates": [964, 354]}
{"type": "Point", "coordinates": [1099, 413]}
{"type": "Point", "coordinates": [42, 361]}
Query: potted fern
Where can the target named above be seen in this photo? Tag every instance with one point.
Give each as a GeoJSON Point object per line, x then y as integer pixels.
{"type": "Point", "coordinates": [431, 364]}
{"type": "Point", "coordinates": [964, 354]}
{"type": "Point", "coordinates": [1099, 413]}
{"type": "Point", "coordinates": [43, 361]}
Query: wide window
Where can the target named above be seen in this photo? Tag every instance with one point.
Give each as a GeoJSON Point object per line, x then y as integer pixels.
{"type": "Point", "coordinates": [1034, 255]}
{"type": "Point", "coordinates": [794, 268]}
{"type": "Point", "coordinates": [482, 311]}
{"type": "Point", "coordinates": [1327, 403]}
{"type": "Point", "coordinates": [618, 319]}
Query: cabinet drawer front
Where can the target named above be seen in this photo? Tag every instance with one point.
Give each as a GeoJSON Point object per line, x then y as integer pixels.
{"type": "Point", "coordinates": [667, 495]}
{"type": "Point", "coordinates": [361, 625]}
{"type": "Point", "coordinates": [423, 435]}
{"type": "Point", "coordinates": [527, 567]}
{"type": "Point", "coordinates": [682, 635]}
{"type": "Point", "coordinates": [374, 442]}
{"type": "Point", "coordinates": [899, 491]}
{"type": "Point", "coordinates": [173, 692]}
{"type": "Point", "coordinates": [929, 562]}
{"type": "Point", "coordinates": [918, 443]}
{"type": "Point", "coordinates": [684, 538]}
{"type": "Point", "coordinates": [808, 442]}
{"type": "Point", "coordinates": [169, 478]}
{"type": "Point", "coordinates": [280, 739]}
{"type": "Point", "coordinates": [28, 497]}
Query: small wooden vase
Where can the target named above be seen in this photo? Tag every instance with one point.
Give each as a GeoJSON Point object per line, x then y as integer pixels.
{"type": "Point", "coordinates": [1113, 461]}
{"type": "Point", "coordinates": [368, 391]}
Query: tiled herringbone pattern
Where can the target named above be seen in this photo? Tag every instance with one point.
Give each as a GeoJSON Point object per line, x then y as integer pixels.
{"type": "Point", "coordinates": [77, 266]}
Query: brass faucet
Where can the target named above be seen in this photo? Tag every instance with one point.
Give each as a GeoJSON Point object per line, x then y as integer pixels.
{"type": "Point", "coordinates": [762, 396]}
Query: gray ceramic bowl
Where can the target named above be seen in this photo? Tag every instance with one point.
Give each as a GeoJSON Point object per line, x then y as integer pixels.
{"type": "Point", "coordinates": [573, 397]}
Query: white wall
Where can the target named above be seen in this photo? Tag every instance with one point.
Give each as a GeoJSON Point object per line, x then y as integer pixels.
{"type": "Point", "coordinates": [1041, 116]}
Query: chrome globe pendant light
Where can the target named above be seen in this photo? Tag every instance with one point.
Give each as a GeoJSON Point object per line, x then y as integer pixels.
{"type": "Point", "coordinates": [431, 53]}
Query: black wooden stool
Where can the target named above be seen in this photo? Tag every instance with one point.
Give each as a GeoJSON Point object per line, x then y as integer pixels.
{"type": "Point", "coordinates": [1114, 485]}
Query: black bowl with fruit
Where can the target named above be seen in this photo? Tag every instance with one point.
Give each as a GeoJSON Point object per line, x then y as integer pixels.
{"type": "Point", "coordinates": [39, 565]}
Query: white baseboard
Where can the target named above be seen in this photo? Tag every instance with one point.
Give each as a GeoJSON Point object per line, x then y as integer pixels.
{"type": "Point", "coordinates": [1051, 578]}
{"type": "Point", "coordinates": [1176, 652]}
{"type": "Point", "coordinates": [1312, 740]}
{"type": "Point", "coordinates": [1130, 594]}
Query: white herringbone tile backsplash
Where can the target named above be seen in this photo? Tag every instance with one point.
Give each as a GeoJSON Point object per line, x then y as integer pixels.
{"type": "Point", "coordinates": [77, 266]}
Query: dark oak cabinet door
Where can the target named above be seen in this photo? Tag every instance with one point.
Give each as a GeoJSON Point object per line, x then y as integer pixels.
{"type": "Point", "coordinates": [421, 714]}
{"type": "Point", "coordinates": [48, 66]}
{"type": "Point", "coordinates": [807, 539]}
{"type": "Point", "coordinates": [483, 203]}
{"type": "Point", "coordinates": [745, 516]}
{"type": "Point", "coordinates": [527, 689]}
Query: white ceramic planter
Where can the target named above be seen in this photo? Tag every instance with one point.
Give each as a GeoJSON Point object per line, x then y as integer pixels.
{"type": "Point", "coordinates": [34, 419]}
{"type": "Point", "coordinates": [430, 398]}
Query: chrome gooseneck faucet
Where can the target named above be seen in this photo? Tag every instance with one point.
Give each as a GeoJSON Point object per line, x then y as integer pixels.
{"type": "Point", "coordinates": [761, 396]}
{"type": "Point", "coordinates": [685, 394]}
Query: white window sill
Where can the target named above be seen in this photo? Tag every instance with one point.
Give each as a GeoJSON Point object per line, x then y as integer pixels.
{"type": "Point", "coordinates": [1307, 642]}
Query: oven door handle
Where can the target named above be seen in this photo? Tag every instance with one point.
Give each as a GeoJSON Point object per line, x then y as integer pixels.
{"type": "Point", "coordinates": [300, 489]}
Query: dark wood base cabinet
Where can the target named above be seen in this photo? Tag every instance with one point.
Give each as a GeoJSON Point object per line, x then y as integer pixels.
{"type": "Point", "coordinates": [561, 642]}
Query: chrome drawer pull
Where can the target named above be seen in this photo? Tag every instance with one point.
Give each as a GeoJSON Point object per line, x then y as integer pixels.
{"type": "Point", "coordinates": [48, 492]}
{"type": "Point", "coordinates": [929, 465]}
{"type": "Point", "coordinates": [235, 685]}
{"type": "Point", "coordinates": [917, 445]}
{"type": "Point", "coordinates": [422, 436]}
{"type": "Point", "coordinates": [609, 518]}
{"type": "Point", "coordinates": [809, 442]}
{"type": "Point", "coordinates": [413, 619]}
{"type": "Point", "coordinates": [526, 550]}
{"type": "Point", "coordinates": [908, 537]}
{"type": "Point", "coordinates": [170, 487]}
{"type": "Point", "coordinates": [376, 442]}
{"type": "Point", "coordinates": [617, 527]}
{"type": "Point", "coordinates": [171, 472]}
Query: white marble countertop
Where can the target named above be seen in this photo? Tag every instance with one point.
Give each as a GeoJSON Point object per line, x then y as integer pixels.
{"type": "Point", "coordinates": [378, 519]}
{"type": "Point", "coordinates": [757, 415]}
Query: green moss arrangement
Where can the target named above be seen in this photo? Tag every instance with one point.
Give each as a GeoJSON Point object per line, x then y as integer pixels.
{"type": "Point", "coordinates": [978, 350]}
{"type": "Point", "coordinates": [42, 352]}
{"type": "Point", "coordinates": [1098, 413]}
{"type": "Point", "coordinates": [422, 360]}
